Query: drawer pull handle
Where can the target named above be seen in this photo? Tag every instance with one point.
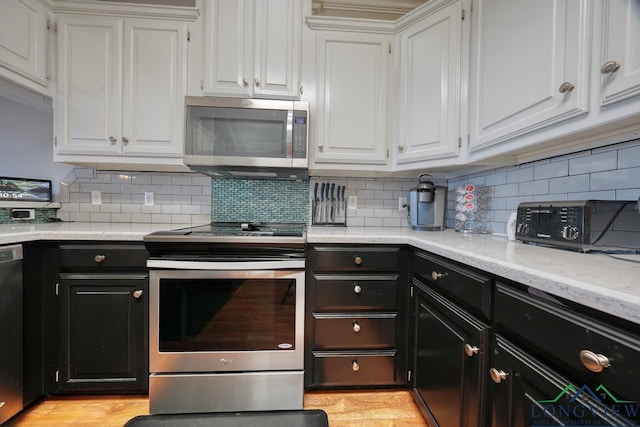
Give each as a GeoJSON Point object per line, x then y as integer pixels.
{"type": "Point", "coordinates": [566, 87]}
{"type": "Point", "coordinates": [435, 275]}
{"type": "Point", "coordinates": [594, 362]}
{"type": "Point", "coordinates": [470, 350]}
{"type": "Point", "coordinates": [357, 260]}
{"type": "Point", "coordinates": [497, 376]}
{"type": "Point", "coordinates": [137, 294]}
{"type": "Point", "coordinates": [357, 289]}
{"type": "Point", "coordinates": [356, 326]}
{"type": "Point", "coordinates": [354, 365]}
{"type": "Point", "coordinates": [100, 258]}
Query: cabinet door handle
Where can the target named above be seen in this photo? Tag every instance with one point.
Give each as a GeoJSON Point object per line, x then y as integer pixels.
{"type": "Point", "coordinates": [245, 83]}
{"type": "Point", "coordinates": [470, 350]}
{"type": "Point", "coordinates": [435, 275]}
{"type": "Point", "coordinates": [137, 294]}
{"type": "Point", "coordinates": [594, 362]}
{"type": "Point", "coordinates": [357, 260]}
{"type": "Point", "coordinates": [356, 326]}
{"type": "Point", "coordinates": [354, 365]}
{"type": "Point", "coordinates": [566, 87]}
{"type": "Point", "coordinates": [610, 67]}
{"type": "Point", "coordinates": [400, 148]}
{"type": "Point", "coordinates": [112, 140]}
{"type": "Point", "coordinates": [99, 258]}
{"type": "Point", "coordinates": [357, 289]}
{"type": "Point", "coordinates": [497, 376]}
{"type": "Point", "coordinates": [257, 83]}
{"type": "Point", "coordinates": [125, 140]}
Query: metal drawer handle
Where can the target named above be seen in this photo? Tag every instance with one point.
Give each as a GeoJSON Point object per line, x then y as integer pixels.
{"type": "Point", "coordinates": [356, 326]}
{"type": "Point", "coordinates": [497, 376]}
{"type": "Point", "coordinates": [357, 289]}
{"type": "Point", "coordinates": [137, 294]}
{"type": "Point", "coordinates": [609, 67]}
{"type": "Point", "coordinates": [470, 350]}
{"type": "Point", "coordinates": [566, 87]}
{"type": "Point", "coordinates": [354, 365]}
{"type": "Point", "coordinates": [435, 275]}
{"type": "Point", "coordinates": [357, 260]}
{"type": "Point", "coordinates": [594, 362]}
{"type": "Point", "coordinates": [100, 258]}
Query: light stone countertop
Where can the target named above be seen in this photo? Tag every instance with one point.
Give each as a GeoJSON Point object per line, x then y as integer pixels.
{"type": "Point", "coordinates": [609, 283]}
{"type": "Point", "coordinates": [599, 281]}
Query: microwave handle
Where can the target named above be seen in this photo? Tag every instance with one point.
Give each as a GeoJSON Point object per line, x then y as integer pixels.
{"type": "Point", "coordinates": [289, 134]}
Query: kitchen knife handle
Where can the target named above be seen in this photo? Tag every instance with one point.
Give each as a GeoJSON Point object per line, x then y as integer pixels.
{"type": "Point", "coordinates": [333, 191]}
{"type": "Point", "coordinates": [315, 192]}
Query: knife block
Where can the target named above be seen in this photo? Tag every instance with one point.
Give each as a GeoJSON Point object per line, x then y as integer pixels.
{"type": "Point", "coordinates": [321, 212]}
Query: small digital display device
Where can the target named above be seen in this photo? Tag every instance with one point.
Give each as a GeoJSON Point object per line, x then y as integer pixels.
{"type": "Point", "coordinates": [24, 190]}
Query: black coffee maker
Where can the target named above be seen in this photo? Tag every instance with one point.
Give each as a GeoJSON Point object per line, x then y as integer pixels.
{"type": "Point", "coordinates": [427, 205]}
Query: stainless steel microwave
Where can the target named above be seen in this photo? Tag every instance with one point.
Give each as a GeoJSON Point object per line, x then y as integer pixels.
{"type": "Point", "coordinates": [242, 138]}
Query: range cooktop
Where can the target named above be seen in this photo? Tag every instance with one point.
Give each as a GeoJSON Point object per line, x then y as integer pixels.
{"type": "Point", "coordinates": [233, 232]}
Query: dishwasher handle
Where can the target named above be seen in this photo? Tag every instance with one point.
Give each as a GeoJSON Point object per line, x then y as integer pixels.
{"type": "Point", "coordinates": [10, 253]}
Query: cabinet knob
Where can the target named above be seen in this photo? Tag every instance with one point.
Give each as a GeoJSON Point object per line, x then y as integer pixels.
{"type": "Point", "coordinates": [594, 362]}
{"type": "Point", "coordinates": [497, 376]}
{"type": "Point", "coordinates": [137, 294]}
{"type": "Point", "coordinates": [358, 260]}
{"type": "Point", "coordinates": [125, 140]}
{"type": "Point", "coordinates": [357, 289]}
{"type": "Point", "coordinates": [257, 82]}
{"type": "Point", "coordinates": [470, 350]}
{"type": "Point", "coordinates": [609, 67]}
{"type": "Point", "coordinates": [112, 140]}
{"type": "Point", "coordinates": [566, 87]}
{"type": "Point", "coordinates": [435, 275]}
{"type": "Point", "coordinates": [320, 147]}
{"type": "Point", "coordinates": [354, 365]}
{"type": "Point", "coordinates": [356, 326]}
{"type": "Point", "coordinates": [100, 258]}
{"type": "Point", "coordinates": [400, 148]}
{"type": "Point", "coordinates": [245, 83]}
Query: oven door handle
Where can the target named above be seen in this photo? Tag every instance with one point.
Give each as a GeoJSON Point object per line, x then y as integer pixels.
{"type": "Point", "coordinates": [226, 266]}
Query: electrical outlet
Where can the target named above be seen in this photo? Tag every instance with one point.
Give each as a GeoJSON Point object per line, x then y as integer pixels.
{"type": "Point", "coordinates": [353, 202]}
{"type": "Point", "coordinates": [96, 198]}
{"type": "Point", "coordinates": [149, 198]}
{"type": "Point", "coordinates": [402, 203]}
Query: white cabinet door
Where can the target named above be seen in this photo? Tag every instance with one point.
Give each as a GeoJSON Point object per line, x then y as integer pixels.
{"type": "Point", "coordinates": [154, 88]}
{"type": "Point", "coordinates": [620, 60]}
{"type": "Point", "coordinates": [89, 85]}
{"type": "Point", "coordinates": [352, 98]}
{"type": "Point", "coordinates": [277, 47]}
{"type": "Point", "coordinates": [228, 41]}
{"type": "Point", "coordinates": [530, 67]}
{"type": "Point", "coordinates": [429, 95]}
{"type": "Point", "coordinates": [23, 39]}
{"type": "Point", "coordinates": [252, 48]}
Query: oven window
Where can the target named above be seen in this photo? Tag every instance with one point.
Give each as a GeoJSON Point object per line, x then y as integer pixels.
{"type": "Point", "coordinates": [226, 314]}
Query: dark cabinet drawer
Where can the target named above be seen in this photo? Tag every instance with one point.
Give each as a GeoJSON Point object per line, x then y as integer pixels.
{"type": "Point", "coordinates": [102, 256]}
{"type": "Point", "coordinates": [353, 258]}
{"type": "Point", "coordinates": [467, 287]}
{"type": "Point", "coordinates": [370, 332]}
{"type": "Point", "coordinates": [355, 369]}
{"type": "Point", "coordinates": [563, 335]}
{"type": "Point", "coordinates": [356, 292]}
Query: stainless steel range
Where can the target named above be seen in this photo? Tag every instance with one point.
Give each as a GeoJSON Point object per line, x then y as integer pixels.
{"type": "Point", "coordinates": [226, 318]}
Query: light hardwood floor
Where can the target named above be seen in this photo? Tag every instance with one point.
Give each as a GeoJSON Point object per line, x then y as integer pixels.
{"type": "Point", "coordinates": [344, 409]}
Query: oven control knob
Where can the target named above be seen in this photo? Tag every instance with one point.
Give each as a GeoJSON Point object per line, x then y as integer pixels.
{"type": "Point", "coordinates": [570, 232]}
{"type": "Point", "coordinates": [522, 228]}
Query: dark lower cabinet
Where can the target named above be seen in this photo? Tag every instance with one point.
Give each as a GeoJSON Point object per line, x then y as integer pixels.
{"type": "Point", "coordinates": [103, 324]}
{"type": "Point", "coordinates": [450, 359]}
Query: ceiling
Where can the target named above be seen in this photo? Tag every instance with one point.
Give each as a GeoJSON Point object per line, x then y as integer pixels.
{"type": "Point", "coordinates": [371, 9]}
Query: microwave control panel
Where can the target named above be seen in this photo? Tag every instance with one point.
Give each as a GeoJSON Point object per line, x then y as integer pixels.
{"type": "Point", "coordinates": [299, 134]}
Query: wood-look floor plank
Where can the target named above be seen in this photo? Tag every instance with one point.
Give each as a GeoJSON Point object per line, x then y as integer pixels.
{"type": "Point", "coordinates": [344, 409]}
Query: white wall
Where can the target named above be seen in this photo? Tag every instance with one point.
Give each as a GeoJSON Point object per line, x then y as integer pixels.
{"type": "Point", "coordinates": [26, 133]}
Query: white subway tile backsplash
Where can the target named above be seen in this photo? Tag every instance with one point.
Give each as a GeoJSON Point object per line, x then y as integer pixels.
{"type": "Point", "coordinates": [506, 190]}
{"type": "Point", "coordinates": [629, 157]}
{"type": "Point", "coordinates": [616, 180]}
{"type": "Point", "coordinates": [569, 184]}
{"type": "Point", "coordinates": [520, 175]}
{"type": "Point", "coordinates": [595, 195]}
{"type": "Point", "coordinates": [533, 187]}
{"type": "Point", "coordinates": [595, 163]}
{"type": "Point", "coordinates": [551, 170]}
{"type": "Point", "coordinates": [496, 179]}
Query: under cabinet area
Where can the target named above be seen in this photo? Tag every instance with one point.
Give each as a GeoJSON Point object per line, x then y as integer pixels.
{"type": "Point", "coordinates": [102, 319]}
{"type": "Point", "coordinates": [355, 316]}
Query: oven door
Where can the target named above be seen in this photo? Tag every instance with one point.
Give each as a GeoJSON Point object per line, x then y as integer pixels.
{"type": "Point", "coordinates": [226, 321]}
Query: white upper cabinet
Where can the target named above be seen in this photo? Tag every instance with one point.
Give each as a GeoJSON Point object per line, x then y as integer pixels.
{"type": "Point", "coordinates": [351, 117]}
{"type": "Point", "coordinates": [121, 87]}
{"type": "Point", "coordinates": [620, 61]}
{"type": "Point", "coordinates": [429, 90]}
{"type": "Point", "coordinates": [252, 48]}
{"type": "Point", "coordinates": [24, 28]}
{"type": "Point", "coordinates": [529, 67]}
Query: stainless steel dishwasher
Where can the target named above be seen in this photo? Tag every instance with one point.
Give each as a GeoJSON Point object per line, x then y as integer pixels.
{"type": "Point", "coordinates": [11, 377]}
